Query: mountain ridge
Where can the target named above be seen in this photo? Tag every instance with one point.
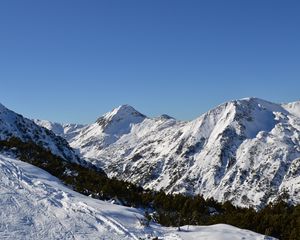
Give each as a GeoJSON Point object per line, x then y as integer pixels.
{"type": "Point", "coordinates": [246, 151]}
{"type": "Point", "coordinates": [15, 125]}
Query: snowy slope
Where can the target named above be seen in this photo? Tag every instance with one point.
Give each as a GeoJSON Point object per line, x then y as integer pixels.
{"type": "Point", "coordinates": [35, 205]}
{"type": "Point", "coordinates": [15, 125]}
{"type": "Point", "coordinates": [246, 151]}
{"type": "Point", "coordinates": [293, 108]}
{"type": "Point", "coordinates": [105, 131]}
{"type": "Point", "coordinates": [67, 131]}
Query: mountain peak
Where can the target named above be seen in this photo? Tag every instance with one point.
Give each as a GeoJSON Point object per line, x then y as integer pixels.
{"type": "Point", "coordinates": [244, 102]}
{"type": "Point", "coordinates": [293, 108]}
{"type": "Point", "coordinates": [120, 119]}
{"type": "Point", "coordinates": [121, 113]}
{"type": "Point", "coordinates": [257, 101]}
{"type": "Point", "coordinates": [124, 110]}
{"type": "Point", "coordinates": [264, 104]}
{"type": "Point", "coordinates": [125, 106]}
{"type": "Point", "coordinates": [252, 99]}
{"type": "Point", "coordinates": [165, 117]}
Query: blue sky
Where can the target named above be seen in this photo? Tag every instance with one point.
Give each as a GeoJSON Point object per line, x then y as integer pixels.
{"type": "Point", "coordinates": [71, 61]}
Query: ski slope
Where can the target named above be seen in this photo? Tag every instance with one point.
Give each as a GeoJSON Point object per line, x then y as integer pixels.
{"type": "Point", "coordinates": [36, 205]}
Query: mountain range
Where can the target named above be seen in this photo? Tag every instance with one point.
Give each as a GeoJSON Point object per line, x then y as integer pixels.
{"type": "Point", "coordinates": [245, 151]}
{"type": "Point", "coordinates": [36, 205]}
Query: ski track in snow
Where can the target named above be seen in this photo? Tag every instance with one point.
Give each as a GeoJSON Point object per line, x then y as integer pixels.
{"type": "Point", "coordinates": [36, 205]}
{"type": "Point", "coordinates": [52, 203]}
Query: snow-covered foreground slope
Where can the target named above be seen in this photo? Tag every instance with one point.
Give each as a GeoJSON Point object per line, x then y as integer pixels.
{"type": "Point", "coordinates": [214, 232]}
{"type": "Point", "coordinates": [35, 205]}
{"type": "Point", "coordinates": [246, 151]}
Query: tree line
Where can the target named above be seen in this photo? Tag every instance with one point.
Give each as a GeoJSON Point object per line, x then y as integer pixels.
{"type": "Point", "coordinates": [278, 219]}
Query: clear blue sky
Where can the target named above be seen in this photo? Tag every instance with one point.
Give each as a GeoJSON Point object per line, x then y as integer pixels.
{"type": "Point", "coordinates": [71, 61]}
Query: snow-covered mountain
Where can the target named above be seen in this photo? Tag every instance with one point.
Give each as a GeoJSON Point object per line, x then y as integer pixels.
{"type": "Point", "coordinates": [104, 132]}
{"type": "Point", "coordinates": [67, 131]}
{"type": "Point", "coordinates": [246, 151]}
{"type": "Point", "coordinates": [35, 205]}
{"type": "Point", "coordinates": [293, 108]}
{"type": "Point", "coordinates": [15, 125]}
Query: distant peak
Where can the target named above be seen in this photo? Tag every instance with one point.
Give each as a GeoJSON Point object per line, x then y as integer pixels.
{"type": "Point", "coordinates": [241, 102]}
{"type": "Point", "coordinates": [293, 108]}
{"type": "Point", "coordinates": [124, 111]}
{"type": "Point", "coordinates": [125, 107]}
{"type": "Point", "coordinates": [165, 116]}
{"type": "Point", "coordinates": [121, 114]}
{"type": "Point", "coordinates": [255, 99]}
{"type": "Point", "coordinates": [249, 98]}
{"type": "Point", "coordinates": [262, 104]}
{"type": "Point", "coordinates": [292, 103]}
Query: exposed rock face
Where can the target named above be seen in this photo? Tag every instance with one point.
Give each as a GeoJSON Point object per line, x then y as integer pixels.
{"type": "Point", "coordinates": [15, 125]}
